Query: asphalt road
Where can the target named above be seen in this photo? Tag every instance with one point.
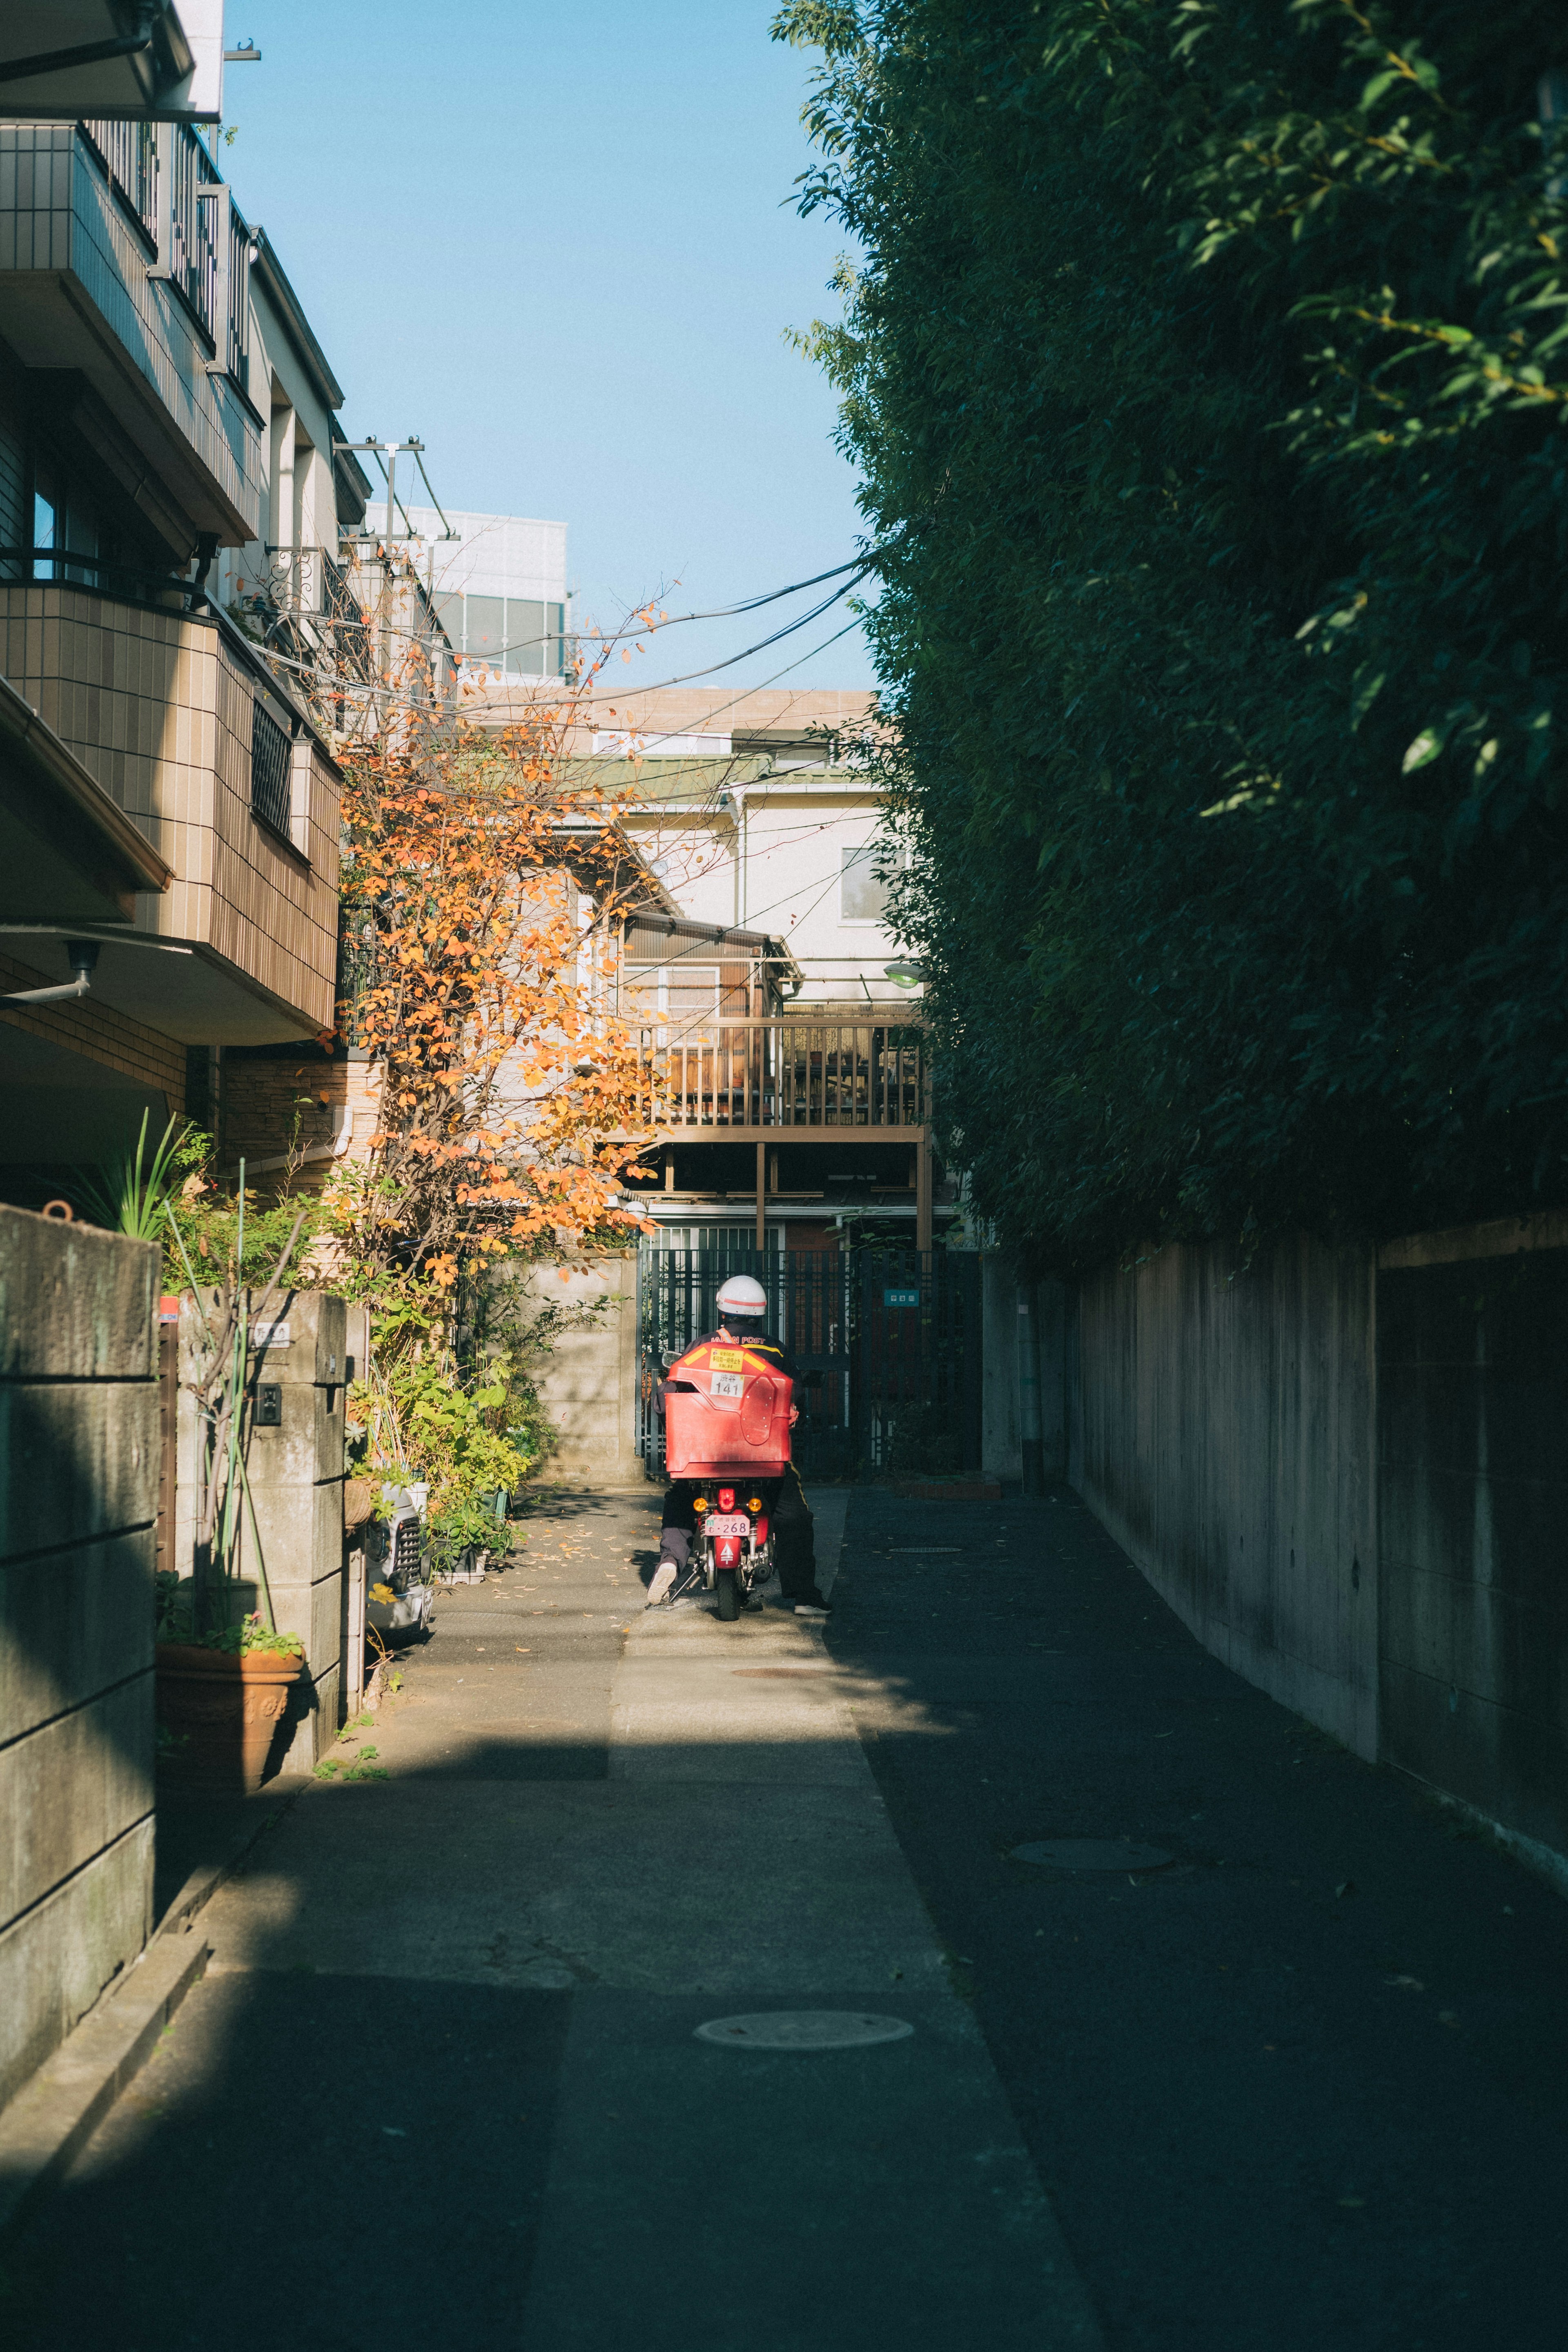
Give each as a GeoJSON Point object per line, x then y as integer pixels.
{"type": "Point", "coordinates": [1302, 2087]}
{"type": "Point", "coordinates": [1306, 2088]}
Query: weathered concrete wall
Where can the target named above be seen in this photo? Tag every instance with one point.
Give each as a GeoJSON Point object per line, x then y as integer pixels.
{"type": "Point", "coordinates": [1223, 1430]}
{"type": "Point", "coordinates": [1473, 1506]}
{"type": "Point", "coordinates": [78, 1469]}
{"type": "Point", "coordinates": [589, 1382]}
{"type": "Point", "coordinates": [1001, 1423]}
{"type": "Point", "coordinates": [1023, 1373]}
{"type": "Point", "coordinates": [296, 1472]}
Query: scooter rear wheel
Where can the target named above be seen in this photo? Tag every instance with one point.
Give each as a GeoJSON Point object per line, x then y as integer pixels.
{"type": "Point", "coordinates": [729, 1596]}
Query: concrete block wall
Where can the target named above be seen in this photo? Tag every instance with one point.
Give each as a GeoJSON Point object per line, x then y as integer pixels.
{"type": "Point", "coordinates": [1473, 1513]}
{"type": "Point", "coordinates": [590, 1382]}
{"type": "Point", "coordinates": [297, 1472]}
{"type": "Point", "coordinates": [1023, 1379]}
{"type": "Point", "coordinates": [79, 1468]}
{"type": "Point", "coordinates": [1223, 1429]}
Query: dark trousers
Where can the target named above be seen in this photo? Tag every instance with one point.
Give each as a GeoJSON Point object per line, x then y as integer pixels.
{"type": "Point", "coordinates": [794, 1540]}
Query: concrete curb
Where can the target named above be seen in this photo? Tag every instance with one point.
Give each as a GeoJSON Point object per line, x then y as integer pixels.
{"type": "Point", "coordinates": [204, 1881]}
{"type": "Point", "coordinates": [48, 2124]}
{"type": "Point", "coordinates": [51, 2119]}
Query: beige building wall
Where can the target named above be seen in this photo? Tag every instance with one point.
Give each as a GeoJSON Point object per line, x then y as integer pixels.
{"type": "Point", "coordinates": [158, 708]}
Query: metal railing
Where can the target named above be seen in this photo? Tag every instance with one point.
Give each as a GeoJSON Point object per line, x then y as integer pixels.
{"type": "Point", "coordinates": [237, 347]}
{"type": "Point", "coordinates": [270, 756]}
{"type": "Point", "coordinates": [194, 201]}
{"type": "Point", "coordinates": [789, 1072]}
{"type": "Point", "coordinates": [131, 584]}
{"type": "Point", "coordinates": [128, 153]}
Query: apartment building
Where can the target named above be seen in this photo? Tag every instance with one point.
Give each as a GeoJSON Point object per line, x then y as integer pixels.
{"type": "Point", "coordinates": [169, 793]}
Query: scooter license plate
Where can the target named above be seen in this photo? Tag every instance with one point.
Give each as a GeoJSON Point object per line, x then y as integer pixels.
{"type": "Point", "coordinates": [727, 1523]}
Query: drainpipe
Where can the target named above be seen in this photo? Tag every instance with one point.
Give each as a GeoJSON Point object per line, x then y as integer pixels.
{"type": "Point", "coordinates": [736, 796]}
{"type": "Point", "coordinates": [82, 955]}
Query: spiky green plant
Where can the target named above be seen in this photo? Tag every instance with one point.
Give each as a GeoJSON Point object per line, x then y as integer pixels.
{"type": "Point", "coordinates": [127, 1192]}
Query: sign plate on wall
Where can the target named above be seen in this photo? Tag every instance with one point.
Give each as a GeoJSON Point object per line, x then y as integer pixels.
{"type": "Point", "coordinates": [900, 1299]}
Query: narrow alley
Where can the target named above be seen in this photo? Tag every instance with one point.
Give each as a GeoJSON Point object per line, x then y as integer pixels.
{"type": "Point", "coordinates": [1298, 2081]}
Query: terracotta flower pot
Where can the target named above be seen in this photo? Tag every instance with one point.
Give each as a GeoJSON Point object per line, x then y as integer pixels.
{"type": "Point", "coordinates": [231, 1711]}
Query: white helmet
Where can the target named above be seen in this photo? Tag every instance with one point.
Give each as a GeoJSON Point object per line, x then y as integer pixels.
{"type": "Point", "coordinates": [742, 1295]}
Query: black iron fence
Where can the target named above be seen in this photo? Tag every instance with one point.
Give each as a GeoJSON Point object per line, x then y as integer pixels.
{"type": "Point", "coordinates": [886, 1345]}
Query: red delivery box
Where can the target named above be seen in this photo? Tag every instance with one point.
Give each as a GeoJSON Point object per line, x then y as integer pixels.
{"type": "Point", "coordinates": [726, 1414]}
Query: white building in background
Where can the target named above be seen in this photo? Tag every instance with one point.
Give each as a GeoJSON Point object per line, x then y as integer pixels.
{"type": "Point", "coordinates": [500, 586]}
{"type": "Point", "coordinates": [745, 806]}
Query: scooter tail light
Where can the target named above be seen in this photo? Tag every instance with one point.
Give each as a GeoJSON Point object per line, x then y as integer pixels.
{"type": "Point", "coordinates": [726, 1498]}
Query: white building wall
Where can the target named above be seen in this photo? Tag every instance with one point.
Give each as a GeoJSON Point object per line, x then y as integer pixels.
{"type": "Point", "coordinates": [795, 829]}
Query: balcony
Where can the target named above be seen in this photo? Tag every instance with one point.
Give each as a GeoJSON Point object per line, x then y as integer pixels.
{"type": "Point", "coordinates": [123, 259]}
{"type": "Point", "coordinates": [178, 717]}
{"type": "Point", "coordinates": [749, 1079]}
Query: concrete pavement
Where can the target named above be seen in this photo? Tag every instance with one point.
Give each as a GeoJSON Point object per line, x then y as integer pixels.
{"type": "Point", "coordinates": [1305, 2086]}
{"type": "Point", "coordinates": [443, 2066]}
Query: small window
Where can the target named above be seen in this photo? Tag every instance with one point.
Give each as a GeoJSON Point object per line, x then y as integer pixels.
{"type": "Point", "coordinates": [524, 637]}
{"type": "Point", "coordinates": [270, 752]}
{"type": "Point", "coordinates": [862, 893]}
{"type": "Point", "coordinates": [46, 518]}
{"type": "Point", "coordinates": [680, 997]}
{"type": "Point", "coordinates": [486, 629]}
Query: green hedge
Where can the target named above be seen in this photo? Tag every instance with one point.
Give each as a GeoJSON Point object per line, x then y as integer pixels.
{"type": "Point", "coordinates": [1205, 370]}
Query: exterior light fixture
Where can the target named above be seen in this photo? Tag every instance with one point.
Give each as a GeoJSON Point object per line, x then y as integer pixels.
{"type": "Point", "coordinates": [906, 973]}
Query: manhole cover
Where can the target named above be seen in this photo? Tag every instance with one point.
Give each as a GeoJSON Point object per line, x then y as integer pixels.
{"type": "Point", "coordinates": [803, 2029]}
{"type": "Point", "coordinates": [1093, 1854]}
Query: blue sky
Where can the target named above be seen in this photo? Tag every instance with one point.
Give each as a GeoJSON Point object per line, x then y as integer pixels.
{"type": "Point", "coordinates": [556, 242]}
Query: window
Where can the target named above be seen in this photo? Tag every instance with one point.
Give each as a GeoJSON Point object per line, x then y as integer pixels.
{"type": "Point", "coordinates": [270, 751]}
{"type": "Point", "coordinates": [862, 893]}
{"type": "Point", "coordinates": [45, 515]}
{"type": "Point", "coordinates": [520, 635]}
{"type": "Point", "coordinates": [680, 998]}
{"type": "Point", "coordinates": [524, 637]}
{"type": "Point", "coordinates": [486, 628]}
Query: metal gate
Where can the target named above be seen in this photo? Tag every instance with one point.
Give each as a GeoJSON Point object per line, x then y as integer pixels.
{"type": "Point", "coordinates": [886, 1344]}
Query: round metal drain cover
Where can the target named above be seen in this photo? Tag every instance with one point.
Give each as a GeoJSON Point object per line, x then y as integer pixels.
{"type": "Point", "coordinates": [803, 2029]}
{"type": "Point", "coordinates": [1093, 1854]}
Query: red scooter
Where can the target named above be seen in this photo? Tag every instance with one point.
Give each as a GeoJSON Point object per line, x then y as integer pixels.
{"type": "Point", "coordinates": [733, 1551]}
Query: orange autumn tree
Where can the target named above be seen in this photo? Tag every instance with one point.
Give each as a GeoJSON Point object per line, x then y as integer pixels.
{"type": "Point", "coordinates": [511, 1109]}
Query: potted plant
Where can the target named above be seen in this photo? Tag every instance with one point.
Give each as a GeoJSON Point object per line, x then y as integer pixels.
{"type": "Point", "coordinates": [224, 1698]}
{"type": "Point", "coordinates": [226, 1676]}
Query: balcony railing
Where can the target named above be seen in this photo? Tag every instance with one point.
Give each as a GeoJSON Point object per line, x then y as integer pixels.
{"type": "Point", "coordinates": [790, 1072]}
{"type": "Point", "coordinates": [128, 153]}
{"type": "Point", "coordinates": [130, 583]}
{"type": "Point", "coordinates": [195, 194]}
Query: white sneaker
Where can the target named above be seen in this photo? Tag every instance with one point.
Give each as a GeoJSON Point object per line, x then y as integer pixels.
{"type": "Point", "coordinates": [663, 1583]}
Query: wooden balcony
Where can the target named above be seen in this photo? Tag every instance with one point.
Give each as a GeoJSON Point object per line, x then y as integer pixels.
{"type": "Point", "coordinates": [748, 1079]}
